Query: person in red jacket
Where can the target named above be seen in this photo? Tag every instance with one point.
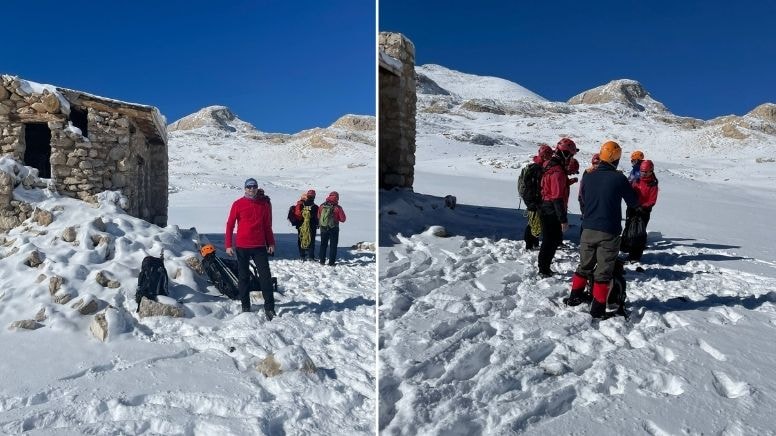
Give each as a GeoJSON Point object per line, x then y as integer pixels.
{"type": "Point", "coordinates": [553, 211]}
{"type": "Point", "coordinates": [255, 240]}
{"type": "Point", "coordinates": [330, 214]}
{"type": "Point", "coordinates": [646, 189]}
{"type": "Point", "coordinates": [532, 232]}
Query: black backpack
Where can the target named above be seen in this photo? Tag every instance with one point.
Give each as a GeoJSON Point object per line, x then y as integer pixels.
{"type": "Point", "coordinates": [292, 216]}
{"type": "Point", "coordinates": [152, 280]}
{"type": "Point", "coordinates": [529, 186]}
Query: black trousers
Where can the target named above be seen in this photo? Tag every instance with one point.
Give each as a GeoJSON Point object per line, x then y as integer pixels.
{"type": "Point", "coordinates": [329, 236]}
{"type": "Point", "coordinates": [552, 236]}
{"type": "Point", "coordinates": [308, 252]}
{"type": "Point", "coordinates": [531, 241]}
{"type": "Point", "coordinates": [261, 259]}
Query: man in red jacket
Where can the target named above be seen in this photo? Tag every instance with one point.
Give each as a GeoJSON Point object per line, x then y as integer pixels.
{"type": "Point", "coordinates": [646, 189]}
{"type": "Point", "coordinates": [255, 240]}
{"type": "Point", "coordinates": [330, 214]}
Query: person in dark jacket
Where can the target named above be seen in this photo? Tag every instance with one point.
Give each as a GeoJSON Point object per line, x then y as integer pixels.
{"type": "Point", "coordinates": [553, 211]}
{"type": "Point", "coordinates": [646, 189]}
{"type": "Point", "coordinates": [255, 240]}
{"type": "Point", "coordinates": [306, 213]}
{"type": "Point", "coordinates": [330, 214]}
{"type": "Point", "coordinates": [637, 157]}
{"type": "Point", "coordinates": [603, 191]}
{"type": "Point", "coordinates": [532, 232]}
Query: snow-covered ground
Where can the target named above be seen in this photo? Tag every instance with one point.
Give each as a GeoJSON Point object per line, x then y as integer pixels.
{"type": "Point", "coordinates": [472, 341]}
{"type": "Point", "coordinates": [194, 375]}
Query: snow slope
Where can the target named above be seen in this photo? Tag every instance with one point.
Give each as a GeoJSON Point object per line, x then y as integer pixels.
{"type": "Point", "coordinates": [195, 375]}
{"type": "Point", "coordinates": [473, 342]}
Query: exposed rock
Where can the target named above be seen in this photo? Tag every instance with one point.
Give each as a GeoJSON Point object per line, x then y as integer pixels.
{"type": "Point", "coordinates": [62, 298]}
{"type": "Point", "coordinates": [54, 283]}
{"type": "Point", "coordinates": [86, 306]}
{"type": "Point", "coordinates": [99, 224]}
{"type": "Point", "coordinates": [437, 231]}
{"type": "Point", "coordinates": [765, 112]}
{"type": "Point", "coordinates": [425, 85]}
{"type": "Point", "coordinates": [356, 123]}
{"type": "Point", "coordinates": [99, 326]}
{"type": "Point", "coordinates": [109, 322]}
{"type": "Point", "coordinates": [42, 216]}
{"type": "Point", "coordinates": [219, 117]}
{"type": "Point", "coordinates": [155, 308]}
{"type": "Point", "coordinates": [40, 278]}
{"type": "Point", "coordinates": [105, 280]}
{"type": "Point", "coordinates": [69, 234]}
{"type": "Point", "coordinates": [195, 264]}
{"type": "Point", "coordinates": [364, 246]}
{"type": "Point", "coordinates": [483, 105]}
{"type": "Point", "coordinates": [628, 92]}
{"type": "Point", "coordinates": [731, 131]}
{"type": "Point", "coordinates": [286, 359]}
{"type": "Point", "coordinates": [41, 315]}
{"type": "Point", "coordinates": [26, 324]}
{"type": "Point", "coordinates": [34, 259]}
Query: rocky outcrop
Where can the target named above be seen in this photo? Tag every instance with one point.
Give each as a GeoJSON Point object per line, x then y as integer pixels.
{"type": "Point", "coordinates": [287, 359]}
{"type": "Point", "coordinates": [356, 123]}
{"type": "Point", "coordinates": [765, 112]}
{"type": "Point", "coordinates": [624, 91]}
{"type": "Point", "coordinates": [155, 308]}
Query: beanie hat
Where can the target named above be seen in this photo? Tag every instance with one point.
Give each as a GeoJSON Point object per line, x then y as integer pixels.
{"type": "Point", "coordinates": [637, 155]}
{"type": "Point", "coordinates": [333, 196]}
{"type": "Point", "coordinates": [610, 152]}
{"type": "Point", "coordinates": [647, 165]}
{"type": "Point", "coordinates": [251, 183]}
{"type": "Point", "coordinates": [311, 193]}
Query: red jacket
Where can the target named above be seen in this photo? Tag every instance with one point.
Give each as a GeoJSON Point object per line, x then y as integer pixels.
{"type": "Point", "coordinates": [254, 223]}
{"type": "Point", "coordinates": [555, 190]}
{"type": "Point", "coordinates": [646, 189]}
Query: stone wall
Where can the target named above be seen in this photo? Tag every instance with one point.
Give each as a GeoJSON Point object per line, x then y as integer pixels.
{"type": "Point", "coordinates": [114, 154]}
{"type": "Point", "coordinates": [397, 113]}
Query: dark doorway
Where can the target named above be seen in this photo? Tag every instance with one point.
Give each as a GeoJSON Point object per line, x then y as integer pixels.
{"type": "Point", "coordinates": [37, 138]}
{"type": "Point", "coordinates": [78, 117]}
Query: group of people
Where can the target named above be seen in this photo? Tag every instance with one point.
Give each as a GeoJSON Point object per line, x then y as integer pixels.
{"type": "Point", "coordinates": [308, 217]}
{"type": "Point", "coordinates": [255, 240]}
{"type": "Point", "coordinates": [601, 192]}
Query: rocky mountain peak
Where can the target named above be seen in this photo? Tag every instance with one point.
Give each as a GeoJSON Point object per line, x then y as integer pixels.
{"type": "Point", "coordinates": [625, 91]}
{"type": "Point", "coordinates": [218, 117]}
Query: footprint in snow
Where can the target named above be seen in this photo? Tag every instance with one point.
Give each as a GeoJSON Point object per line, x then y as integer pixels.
{"type": "Point", "coordinates": [727, 387]}
{"type": "Point", "coordinates": [713, 352]}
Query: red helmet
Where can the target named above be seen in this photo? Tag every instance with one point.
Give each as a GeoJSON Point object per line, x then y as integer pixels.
{"type": "Point", "coordinates": [572, 167]}
{"type": "Point", "coordinates": [567, 145]}
{"type": "Point", "coordinates": [647, 165]}
{"type": "Point", "coordinates": [545, 152]}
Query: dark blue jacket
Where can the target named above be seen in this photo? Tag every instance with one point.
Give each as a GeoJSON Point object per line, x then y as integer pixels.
{"type": "Point", "coordinates": [603, 191]}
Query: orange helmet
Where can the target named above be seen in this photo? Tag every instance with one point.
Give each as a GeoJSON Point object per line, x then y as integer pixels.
{"type": "Point", "coordinates": [207, 249]}
{"type": "Point", "coordinates": [610, 152]}
{"type": "Point", "coordinates": [637, 155]}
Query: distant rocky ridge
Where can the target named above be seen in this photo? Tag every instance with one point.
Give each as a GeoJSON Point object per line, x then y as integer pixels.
{"type": "Point", "coordinates": [221, 120]}
{"type": "Point", "coordinates": [446, 92]}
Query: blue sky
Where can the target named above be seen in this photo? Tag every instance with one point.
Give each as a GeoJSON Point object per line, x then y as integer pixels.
{"type": "Point", "coordinates": [283, 66]}
{"type": "Point", "coordinates": [700, 58]}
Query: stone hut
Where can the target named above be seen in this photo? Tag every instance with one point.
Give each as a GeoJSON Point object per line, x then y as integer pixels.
{"type": "Point", "coordinates": [397, 111]}
{"type": "Point", "coordinates": [87, 144]}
